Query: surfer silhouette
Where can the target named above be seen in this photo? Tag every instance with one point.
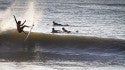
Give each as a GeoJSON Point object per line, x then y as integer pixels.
{"type": "Point", "coordinates": [56, 24]}
{"type": "Point", "coordinates": [64, 30]}
{"type": "Point", "coordinates": [20, 26]}
{"type": "Point", "coordinates": [55, 31]}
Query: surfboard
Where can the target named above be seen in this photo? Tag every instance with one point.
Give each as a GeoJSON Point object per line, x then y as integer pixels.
{"type": "Point", "coordinates": [29, 33]}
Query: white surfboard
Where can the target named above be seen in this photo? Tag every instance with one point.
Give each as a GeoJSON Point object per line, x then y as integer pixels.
{"type": "Point", "coordinates": [29, 33]}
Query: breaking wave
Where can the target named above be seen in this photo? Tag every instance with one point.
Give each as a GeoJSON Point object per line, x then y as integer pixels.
{"type": "Point", "coordinates": [44, 47]}
{"type": "Point", "coordinates": [15, 41]}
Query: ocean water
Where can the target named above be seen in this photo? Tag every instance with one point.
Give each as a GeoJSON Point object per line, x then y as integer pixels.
{"type": "Point", "coordinates": [100, 18]}
{"type": "Point", "coordinates": [96, 18]}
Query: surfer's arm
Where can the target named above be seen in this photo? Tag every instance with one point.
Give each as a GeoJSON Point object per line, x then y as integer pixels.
{"type": "Point", "coordinates": [15, 18]}
{"type": "Point", "coordinates": [23, 22]}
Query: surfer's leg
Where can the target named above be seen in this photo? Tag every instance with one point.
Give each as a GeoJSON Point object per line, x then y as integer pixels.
{"type": "Point", "coordinates": [25, 26]}
{"type": "Point", "coordinates": [24, 32]}
{"type": "Point", "coordinates": [21, 29]}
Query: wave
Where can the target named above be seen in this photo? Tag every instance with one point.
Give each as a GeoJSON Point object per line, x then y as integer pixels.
{"type": "Point", "coordinates": [44, 47]}
{"type": "Point", "coordinates": [14, 41]}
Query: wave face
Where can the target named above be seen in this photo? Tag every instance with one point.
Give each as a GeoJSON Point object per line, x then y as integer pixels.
{"type": "Point", "coordinates": [60, 41]}
{"type": "Point", "coordinates": [100, 18]}
{"type": "Point", "coordinates": [44, 47]}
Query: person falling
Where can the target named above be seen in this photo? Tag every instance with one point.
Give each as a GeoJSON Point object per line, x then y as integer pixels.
{"type": "Point", "coordinates": [20, 26]}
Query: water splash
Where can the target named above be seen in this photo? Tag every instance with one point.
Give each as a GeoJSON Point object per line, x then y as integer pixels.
{"type": "Point", "coordinates": [7, 20]}
{"type": "Point", "coordinates": [30, 13]}
{"type": "Point", "coordinates": [6, 23]}
{"type": "Point", "coordinates": [31, 16]}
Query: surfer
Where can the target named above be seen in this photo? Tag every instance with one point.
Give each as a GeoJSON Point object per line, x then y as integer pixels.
{"type": "Point", "coordinates": [20, 26]}
{"type": "Point", "coordinates": [64, 30]}
{"type": "Point", "coordinates": [56, 24]}
{"type": "Point", "coordinates": [55, 31]}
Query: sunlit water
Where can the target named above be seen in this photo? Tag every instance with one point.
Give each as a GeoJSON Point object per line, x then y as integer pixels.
{"type": "Point", "coordinates": [100, 18]}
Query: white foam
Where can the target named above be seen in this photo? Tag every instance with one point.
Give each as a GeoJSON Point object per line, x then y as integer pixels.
{"type": "Point", "coordinates": [31, 66]}
{"type": "Point", "coordinates": [22, 66]}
